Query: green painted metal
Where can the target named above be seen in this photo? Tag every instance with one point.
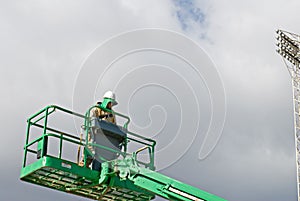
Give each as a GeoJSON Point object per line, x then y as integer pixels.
{"type": "Point", "coordinates": [125, 178]}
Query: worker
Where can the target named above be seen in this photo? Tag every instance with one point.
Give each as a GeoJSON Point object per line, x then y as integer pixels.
{"type": "Point", "coordinates": [109, 100]}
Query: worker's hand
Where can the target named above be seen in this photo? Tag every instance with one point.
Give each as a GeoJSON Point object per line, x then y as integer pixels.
{"type": "Point", "coordinates": [106, 116]}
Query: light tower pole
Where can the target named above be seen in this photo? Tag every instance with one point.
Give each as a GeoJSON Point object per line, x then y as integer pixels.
{"type": "Point", "coordinates": [288, 47]}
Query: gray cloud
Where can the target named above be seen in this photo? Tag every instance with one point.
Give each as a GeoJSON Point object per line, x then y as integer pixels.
{"type": "Point", "coordinates": [43, 45]}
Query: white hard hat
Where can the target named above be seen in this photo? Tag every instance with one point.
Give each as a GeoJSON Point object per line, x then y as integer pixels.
{"type": "Point", "coordinates": [111, 96]}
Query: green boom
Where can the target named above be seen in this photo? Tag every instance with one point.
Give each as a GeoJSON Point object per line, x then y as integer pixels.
{"type": "Point", "coordinates": [125, 178]}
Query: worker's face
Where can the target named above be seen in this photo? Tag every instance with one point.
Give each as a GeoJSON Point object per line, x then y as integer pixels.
{"type": "Point", "coordinates": [109, 105]}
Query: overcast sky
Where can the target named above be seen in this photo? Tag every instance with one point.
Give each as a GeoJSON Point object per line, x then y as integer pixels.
{"type": "Point", "coordinates": [220, 108]}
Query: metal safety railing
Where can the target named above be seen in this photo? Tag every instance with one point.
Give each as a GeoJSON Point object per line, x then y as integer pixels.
{"type": "Point", "coordinates": [40, 120]}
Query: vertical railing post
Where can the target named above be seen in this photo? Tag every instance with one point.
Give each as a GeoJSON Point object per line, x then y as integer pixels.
{"type": "Point", "coordinates": [26, 141]}
{"type": "Point", "coordinates": [152, 157]}
{"type": "Point", "coordinates": [86, 127]}
{"type": "Point", "coordinates": [60, 146]}
{"type": "Point", "coordinates": [125, 145]}
{"type": "Point", "coordinates": [45, 138]}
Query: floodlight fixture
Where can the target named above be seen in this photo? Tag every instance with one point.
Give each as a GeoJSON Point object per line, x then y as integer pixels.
{"type": "Point", "coordinates": [288, 47]}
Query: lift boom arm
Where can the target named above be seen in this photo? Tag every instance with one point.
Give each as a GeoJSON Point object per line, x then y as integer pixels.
{"type": "Point", "coordinates": [155, 182]}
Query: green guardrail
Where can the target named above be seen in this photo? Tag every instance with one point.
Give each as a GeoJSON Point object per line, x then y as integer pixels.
{"type": "Point", "coordinates": [40, 121]}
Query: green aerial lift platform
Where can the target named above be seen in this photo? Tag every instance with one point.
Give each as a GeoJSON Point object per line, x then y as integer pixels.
{"type": "Point", "coordinates": [127, 176]}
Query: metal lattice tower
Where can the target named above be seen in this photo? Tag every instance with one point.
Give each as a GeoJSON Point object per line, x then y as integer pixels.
{"type": "Point", "coordinates": [288, 47]}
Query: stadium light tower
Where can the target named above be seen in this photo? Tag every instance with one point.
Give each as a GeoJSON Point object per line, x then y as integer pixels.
{"type": "Point", "coordinates": [288, 47]}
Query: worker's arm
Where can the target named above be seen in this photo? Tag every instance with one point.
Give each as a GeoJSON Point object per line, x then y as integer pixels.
{"type": "Point", "coordinates": [109, 117]}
